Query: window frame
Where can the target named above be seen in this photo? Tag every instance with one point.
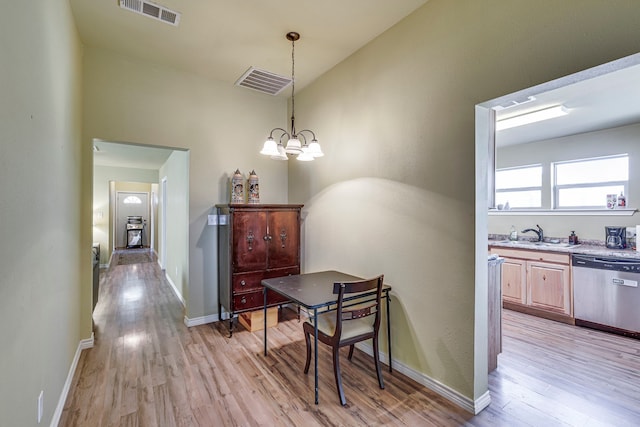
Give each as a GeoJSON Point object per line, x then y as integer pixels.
{"type": "Point", "coordinates": [556, 188]}
{"type": "Point", "coordinates": [521, 189]}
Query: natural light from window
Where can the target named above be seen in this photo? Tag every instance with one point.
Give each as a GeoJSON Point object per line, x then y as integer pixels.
{"type": "Point", "coordinates": [132, 200]}
{"type": "Point", "coordinates": [519, 187]}
{"type": "Point", "coordinates": [586, 183]}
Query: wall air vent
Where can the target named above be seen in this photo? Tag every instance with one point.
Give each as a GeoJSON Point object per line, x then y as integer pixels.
{"type": "Point", "coordinates": [151, 10]}
{"type": "Point", "coordinates": [263, 81]}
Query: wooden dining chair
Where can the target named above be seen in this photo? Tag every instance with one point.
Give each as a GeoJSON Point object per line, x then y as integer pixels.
{"type": "Point", "coordinates": [351, 322]}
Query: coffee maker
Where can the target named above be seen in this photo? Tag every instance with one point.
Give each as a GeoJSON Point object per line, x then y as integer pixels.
{"type": "Point", "coordinates": [616, 237]}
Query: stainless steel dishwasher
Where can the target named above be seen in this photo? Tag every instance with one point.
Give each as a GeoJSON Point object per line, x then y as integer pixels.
{"type": "Point", "coordinates": [606, 293]}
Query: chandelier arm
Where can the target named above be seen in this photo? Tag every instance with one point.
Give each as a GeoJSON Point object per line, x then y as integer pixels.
{"type": "Point", "coordinates": [284, 132]}
{"type": "Point", "coordinates": [307, 130]}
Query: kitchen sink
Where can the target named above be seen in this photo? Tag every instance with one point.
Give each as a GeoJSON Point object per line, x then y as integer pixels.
{"type": "Point", "coordinates": [526, 243]}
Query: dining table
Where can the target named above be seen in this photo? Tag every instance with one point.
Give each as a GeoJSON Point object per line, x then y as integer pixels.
{"type": "Point", "coordinates": [314, 292]}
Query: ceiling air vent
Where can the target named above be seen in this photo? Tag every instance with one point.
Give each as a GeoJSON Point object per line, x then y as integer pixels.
{"type": "Point", "coordinates": [263, 81]}
{"type": "Point", "coordinates": [151, 10]}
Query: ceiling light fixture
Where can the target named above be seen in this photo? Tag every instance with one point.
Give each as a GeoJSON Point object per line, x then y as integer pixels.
{"type": "Point", "coordinates": [532, 117]}
{"type": "Point", "coordinates": [306, 151]}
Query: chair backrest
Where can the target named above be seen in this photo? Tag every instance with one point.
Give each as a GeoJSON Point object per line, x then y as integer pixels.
{"type": "Point", "coordinates": [357, 308]}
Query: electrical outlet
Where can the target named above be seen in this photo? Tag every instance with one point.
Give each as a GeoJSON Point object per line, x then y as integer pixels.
{"type": "Point", "coordinates": [40, 405]}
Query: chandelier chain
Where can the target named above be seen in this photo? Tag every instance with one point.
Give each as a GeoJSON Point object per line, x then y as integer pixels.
{"type": "Point", "coordinates": [293, 87]}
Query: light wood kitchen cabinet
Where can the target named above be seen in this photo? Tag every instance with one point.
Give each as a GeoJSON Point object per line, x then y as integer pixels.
{"type": "Point", "coordinates": [537, 282]}
{"type": "Point", "coordinates": [549, 286]}
{"type": "Point", "coordinates": [514, 280]}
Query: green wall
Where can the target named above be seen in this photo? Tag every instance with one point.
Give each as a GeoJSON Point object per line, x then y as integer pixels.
{"type": "Point", "coordinates": [176, 173]}
{"type": "Point", "coordinates": [45, 235]}
{"type": "Point", "coordinates": [395, 192]}
{"type": "Point", "coordinates": [222, 126]}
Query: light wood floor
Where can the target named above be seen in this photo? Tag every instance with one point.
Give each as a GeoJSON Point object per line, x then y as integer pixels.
{"type": "Point", "coordinates": [147, 368]}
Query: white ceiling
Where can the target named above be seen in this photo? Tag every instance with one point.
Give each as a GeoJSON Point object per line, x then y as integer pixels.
{"type": "Point", "coordinates": [221, 39]}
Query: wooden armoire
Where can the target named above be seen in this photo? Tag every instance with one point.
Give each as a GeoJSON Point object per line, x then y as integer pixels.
{"type": "Point", "coordinates": [255, 242]}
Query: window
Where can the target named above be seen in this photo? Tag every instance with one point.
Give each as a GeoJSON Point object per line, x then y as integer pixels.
{"type": "Point", "coordinates": [586, 183]}
{"type": "Point", "coordinates": [132, 200]}
{"type": "Point", "coordinates": [521, 187]}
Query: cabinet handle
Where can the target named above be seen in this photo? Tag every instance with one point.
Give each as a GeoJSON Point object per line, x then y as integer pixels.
{"type": "Point", "coordinates": [242, 283]}
{"type": "Point", "coordinates": [243, 300]}
{"type": "Point", "coordinates": [283, 237]}
{"type": "Point", "coordinates": [250, 238]}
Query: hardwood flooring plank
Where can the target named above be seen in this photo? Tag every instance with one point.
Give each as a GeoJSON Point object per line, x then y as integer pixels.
{"type": "Point", "coordinates": [148, 369]}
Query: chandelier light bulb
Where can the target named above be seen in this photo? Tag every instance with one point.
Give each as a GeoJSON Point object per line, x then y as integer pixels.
{"type": "Point", "coordinates": [270, 148]}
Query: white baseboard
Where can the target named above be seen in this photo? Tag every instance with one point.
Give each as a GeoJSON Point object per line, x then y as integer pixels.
{"type": "Point", "coordinates": [445, 391]}
{"type": "Point", "coordinates": [83, 344]}
{"type": "Point", "coordinates": [175, 289]}
{"type": "Point", "coordinates": [203, 320]}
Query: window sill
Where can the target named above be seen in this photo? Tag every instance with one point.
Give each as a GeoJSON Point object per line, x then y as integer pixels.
{"type": "Point", "coordinates": [564, 212]}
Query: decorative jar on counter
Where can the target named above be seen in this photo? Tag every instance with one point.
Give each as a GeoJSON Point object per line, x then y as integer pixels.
{"type": "Point", "coordinates": [254, 187]}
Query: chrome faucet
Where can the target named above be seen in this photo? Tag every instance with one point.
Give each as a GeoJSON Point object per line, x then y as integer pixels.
{"type": "Point", "coordinates": [539, 232]}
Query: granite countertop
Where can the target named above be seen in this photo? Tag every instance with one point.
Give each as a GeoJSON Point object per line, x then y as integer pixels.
{"type": "Point", "coordinates": [597, 248]}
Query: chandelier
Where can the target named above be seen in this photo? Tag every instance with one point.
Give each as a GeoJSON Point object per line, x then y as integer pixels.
{"type": "Point", "coordinates": [307, 149]}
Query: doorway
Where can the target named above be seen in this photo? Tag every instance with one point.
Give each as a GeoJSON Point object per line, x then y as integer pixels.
{"type": "Point", "coordinates": [486, 159]}
{"type": "Point", "coordinates": [131, 204]}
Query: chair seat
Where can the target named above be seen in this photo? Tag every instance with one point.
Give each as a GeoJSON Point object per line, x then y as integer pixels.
{"type": "Point", "coordinates": [350, 329]}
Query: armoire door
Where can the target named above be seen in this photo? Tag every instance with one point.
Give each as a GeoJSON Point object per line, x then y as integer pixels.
{"type": "Point", "coordinates": [249, 243]}
{"type": "Point", "coordinates": [284, 239]}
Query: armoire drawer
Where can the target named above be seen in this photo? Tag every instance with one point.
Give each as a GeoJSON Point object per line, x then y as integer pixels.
{"type": "Point", "coordinates": [255, 300]}
{"type": "Point", "coordinates": [246, 282]}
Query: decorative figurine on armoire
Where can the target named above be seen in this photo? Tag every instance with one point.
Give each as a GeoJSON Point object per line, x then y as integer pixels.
{"type": "Point", "coordinates": [254, 188]}
{"type": "Point", "coordinates": [237, 187]}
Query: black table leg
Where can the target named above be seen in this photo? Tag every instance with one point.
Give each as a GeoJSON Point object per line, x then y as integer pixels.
{"type": "Point", "coordinates": [389, 331]}
{"type": "Point", "coordinates": [265, 320]}
{"type": "Point", "coordinates": [315, 350]}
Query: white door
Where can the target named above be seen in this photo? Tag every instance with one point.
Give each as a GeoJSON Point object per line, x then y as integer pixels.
{"type": "Point", "coordinates": [131, 204]}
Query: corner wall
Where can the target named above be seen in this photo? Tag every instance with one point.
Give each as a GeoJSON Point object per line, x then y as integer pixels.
{"type": "Point", "coordinates": [221, 125]}
{"type": "Point", "coordinates": [396, 190]}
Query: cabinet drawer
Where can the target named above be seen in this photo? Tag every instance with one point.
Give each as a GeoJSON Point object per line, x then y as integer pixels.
{"type": "Point", "coordinates": [255, 300]}
{"type": "Point", "coordinates": [246, 282]}
{"type": "Point", "coordinates": [534, 255]}
{"type": "Point", "coordinates": [248, 301]}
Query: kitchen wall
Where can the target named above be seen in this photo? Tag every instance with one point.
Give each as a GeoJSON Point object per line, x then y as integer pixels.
{"type": "Point", "coordinates": [45, 239]}
{"type": "Point", "coordinates": [592, 144]}
{"type": "Point", "coordinates": [396, 191]}
{"type": "Point", "coordinates": [221, 125]}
